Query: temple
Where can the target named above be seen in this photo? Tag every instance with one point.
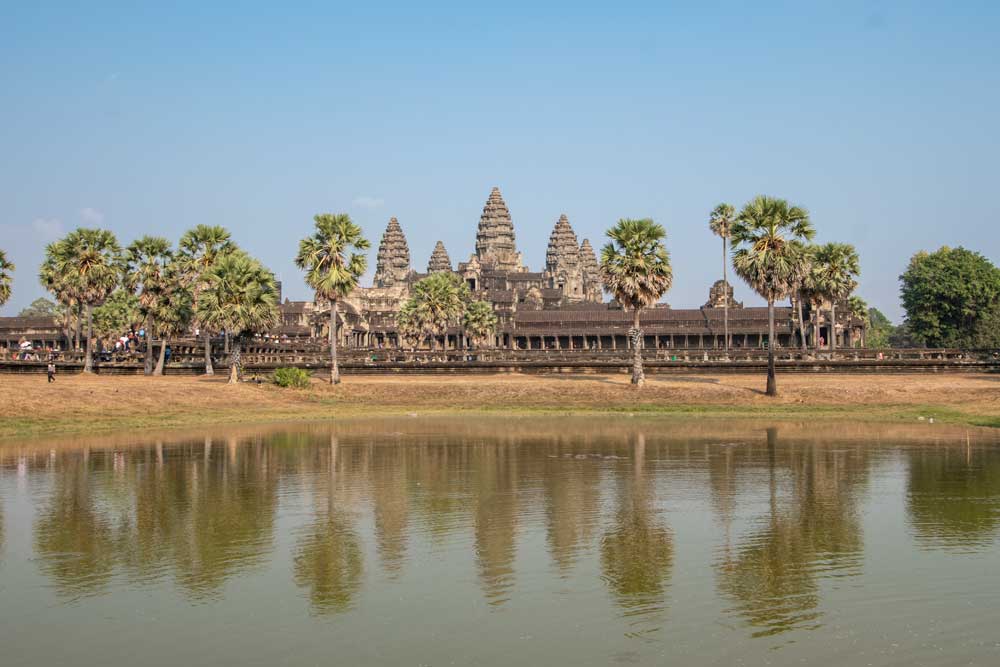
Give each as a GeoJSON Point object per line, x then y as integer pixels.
{"type": "Point", "coordinates": [561, 307]}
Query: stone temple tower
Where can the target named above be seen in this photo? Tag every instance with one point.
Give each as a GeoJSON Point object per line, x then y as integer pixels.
{"type": "Point", "coordinates": [592, 287]}
{"type": "Point", "coordinates": [393, 259]}
{"type": "Point", "coordinates": [562, 261]}
{"type": "Point", "coordinates": [495, 246]}
{"type": "Point", "coordinates": [439, 262]}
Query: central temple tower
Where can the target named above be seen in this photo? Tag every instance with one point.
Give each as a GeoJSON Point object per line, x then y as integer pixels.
{"type": "Point", "coordinates": [495, 246]}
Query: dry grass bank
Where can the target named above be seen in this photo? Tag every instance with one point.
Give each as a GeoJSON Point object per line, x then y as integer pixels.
{"type": "Point", "coordinates": [75, 404]}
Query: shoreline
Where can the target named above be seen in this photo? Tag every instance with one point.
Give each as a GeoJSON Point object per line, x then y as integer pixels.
{"type": "Point", "coordinates": [77, 404]}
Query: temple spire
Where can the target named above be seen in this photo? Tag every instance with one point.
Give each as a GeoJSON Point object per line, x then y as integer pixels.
{"type": "Point", "coordinates": [495, 243]}
{"type": "Point", "coordinates": [591, 270]}
{"type": "Point", "coordinates": [393, 259]}
{"type": "Point", "coordinates": [439, 261]}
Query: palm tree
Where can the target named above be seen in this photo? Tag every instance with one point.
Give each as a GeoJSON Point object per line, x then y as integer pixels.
{"type": "Point", "coordinates": [240, 296]}
{"type": "Point", "coordinates": [409, 325]}
{"type": "Point", "coordinates": [89, 261]}
{"type": "Point", "coordinates": [635, 268]}
{"type": "Point", "coordinates": [765, 256]}
{"type": "Point", "coordinates": [801, 270]}
{"type": "Point", "coordinates": [333, 260]}
{"type": "Point", "coordinates": [860, 312]}
{"type": "Point", "coordinates": [200, 247]}
{"type": "Point", "coordinates": [721, 223]}
{"type": "Point", "coordinates": [146, 260]}
{"type": "Point", "coordinates": [174, 309]}
{"type": "Point", "coordinates": [479, 322]}
{"type": "Point", "coordinates": [56, 282]}
{"type": "Point", "coordinates": [837, 266]}
{"type": "Point", "coordinates": [439, 303]}
{"type": "Point", "coordinates": [6, 267]}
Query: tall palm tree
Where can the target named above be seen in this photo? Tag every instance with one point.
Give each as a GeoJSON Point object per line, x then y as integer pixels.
{"type": "Point", "coordinates": [801, 270]}
{"type": "Point", "coordinates": [174, 309]}
{"type": "Point", "coordinates": [765, 256]}
{"type": "Point", "coordinates": [200, 247]}
{"type": "Point", "coordinates": [90, 263]}
{"type": "Point", "coordinates": [146, 261]}
{"type": "Point", "coordinates": [479, 322]}
{"type": "Point", "coordinates": [635, 268]}
{"type": "Point", "coordinates": [240, 296]}
{"type": "Point", "coordinates": [721, 223]}
{"type": "Point", "coordinates": [334, 260]}
{"type": "Point", "coordinates": [6, 268]}
{"type": "Point", "coordinates": [837, 266]}
{"type": "Point", "coordinates": [57, 282]}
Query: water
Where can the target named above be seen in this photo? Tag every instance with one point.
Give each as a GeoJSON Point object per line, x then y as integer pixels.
{"type": "Point", "coordinates": [498, 542]}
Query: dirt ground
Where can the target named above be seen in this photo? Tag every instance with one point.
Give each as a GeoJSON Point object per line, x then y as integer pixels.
{"type": "Point", "coordinates": [80, 403]}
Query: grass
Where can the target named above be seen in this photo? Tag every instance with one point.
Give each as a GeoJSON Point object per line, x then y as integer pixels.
{"type": "Point", "coordinates": [92, 404]}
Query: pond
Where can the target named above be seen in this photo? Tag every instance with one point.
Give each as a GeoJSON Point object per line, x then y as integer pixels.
{"type": "Point", "coordinates": [534, 541]}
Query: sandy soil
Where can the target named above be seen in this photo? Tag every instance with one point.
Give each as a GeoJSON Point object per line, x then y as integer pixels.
{"type": "Point", "coordinates": [81, 403]}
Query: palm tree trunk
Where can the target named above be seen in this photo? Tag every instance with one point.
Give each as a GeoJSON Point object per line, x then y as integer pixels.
{"type": "Point", "coordinates": [725, 292]}
{"type": "Point", "coordinates": [638, 377]}
{"type": "Point", "coordinates": [88, 362]}
{"type": "Point", "coordinates": [161, 360]}
{"type": "Point", "coordinates": [334, 370]}
{"type": "Point", "coordinates": [802, 329]}
{"type": "Point", "coordinates": [208, 354]}
{"type": "Point", "coordinates": [815, 316]}
{"type": "Point", "coordinates": [79, 323]}
{"type": "Point", "coordinates": [234, 363]}
{"type": "Point", "coordinates": [833, 324]}
{"type": "Point", "coordinates": [147, 367]}
{"type": "Point", "coordinates": [772, 382]}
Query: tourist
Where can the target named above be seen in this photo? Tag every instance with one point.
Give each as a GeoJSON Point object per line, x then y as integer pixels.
{"type": "Point", "coordinates": [51, 371]}
{"type": "Point", "coordinates": [166, 355]}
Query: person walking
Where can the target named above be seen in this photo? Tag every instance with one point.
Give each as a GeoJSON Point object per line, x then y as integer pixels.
{"type": "Point", "coordinates": [51, 371]}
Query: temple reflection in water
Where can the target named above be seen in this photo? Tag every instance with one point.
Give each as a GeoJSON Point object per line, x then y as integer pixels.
{"type": "Point", "coordinates": [770, 517]}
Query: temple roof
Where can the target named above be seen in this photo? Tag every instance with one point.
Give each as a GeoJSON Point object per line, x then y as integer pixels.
{"type": "Point", "coordinates": [439, 261]}
{"type": "Point", "coordinates": [393, 260]}
{"type": "Point", "coordinates": [495, 244]}
{"type": "Point", "coordinates": [588, 262]}
{"type": "Point", "coordinates": [563, 254]}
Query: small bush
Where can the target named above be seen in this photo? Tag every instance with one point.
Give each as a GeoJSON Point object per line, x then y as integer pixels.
{"type": "Point", "coordinates": [291, 377]}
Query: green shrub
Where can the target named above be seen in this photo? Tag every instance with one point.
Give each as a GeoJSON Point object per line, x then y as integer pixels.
{"type": "Point", "coordinates": [291, 377]}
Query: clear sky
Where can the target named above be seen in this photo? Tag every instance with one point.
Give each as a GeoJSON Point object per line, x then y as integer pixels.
{"type": "Point", "coordinates": [881, 118]}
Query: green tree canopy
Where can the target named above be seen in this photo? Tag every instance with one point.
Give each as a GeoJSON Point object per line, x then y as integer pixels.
{"type": "Point", "coordinates": [479, 322]}
{"type": "Point", "coordinates": [118, 312]}
{"type": "Point", "coordinates": [946, 293]}
{"type": "Point", "coordinates": [437, 303]}
{"type": "Point", "coordinates": [40, 307]}
{"type": "Point", "coordinates": [6, 271]}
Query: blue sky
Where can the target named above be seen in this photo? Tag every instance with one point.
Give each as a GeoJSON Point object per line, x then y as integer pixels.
{"type": "Point", "coordinates": [879, 117]}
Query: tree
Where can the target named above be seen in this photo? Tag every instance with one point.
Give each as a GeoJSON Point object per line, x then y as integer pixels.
{"type": "Point", "coordinates": [765, 256]}
{"type": "Point", "coordinates": [409, 326]}
{"type": "Point", "coordinates": [146, 260]}
{"type": "Point", "coordinates": [946, 292]}
{"type": "Point", "coordinates": [859, 312]}
{"type": "Point", "coordinates": [118, 312]}
{"type": "Point", "coordinates": [333, 260]}
{"type": "Point", "coordinates": [200, 247]}
{"type": "Point", "coordinates": [40, 307]}
{"type": "Point", "coordinates": [437, 303]}
{"type": "Point", "coordinates": [880, 329]}
{"type": "Point", "coordinates": [479, 322]}
{"type": "Point", "coordinates": [834, 271]}
{"type": "Point", "coordinates": [6, 269]}
{"type": "Point", "coordinates": [57, 282]}
{"type": "Point", "coordinates": [174, 310]}
{"type": "Point", "coordinates": [88, 263]}
{"type": "Point", "coordinates": [721, 222]}
{"type": "Point", "coordinates": [635, 268]}
{"type": "Point", "coordinates": [801, 265]}
{"type": "Point", "coordinates": [240, 296]}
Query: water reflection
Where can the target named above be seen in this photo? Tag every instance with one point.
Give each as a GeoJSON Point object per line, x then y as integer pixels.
{"type": "Point", "coordinates": [811, 531]}
{"type": "Point", "coordinates": [637, 550]}
{"type": "Point", "coordinates": [953, 497]}
{"type": "Point", "coordinates": [611, 518]}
